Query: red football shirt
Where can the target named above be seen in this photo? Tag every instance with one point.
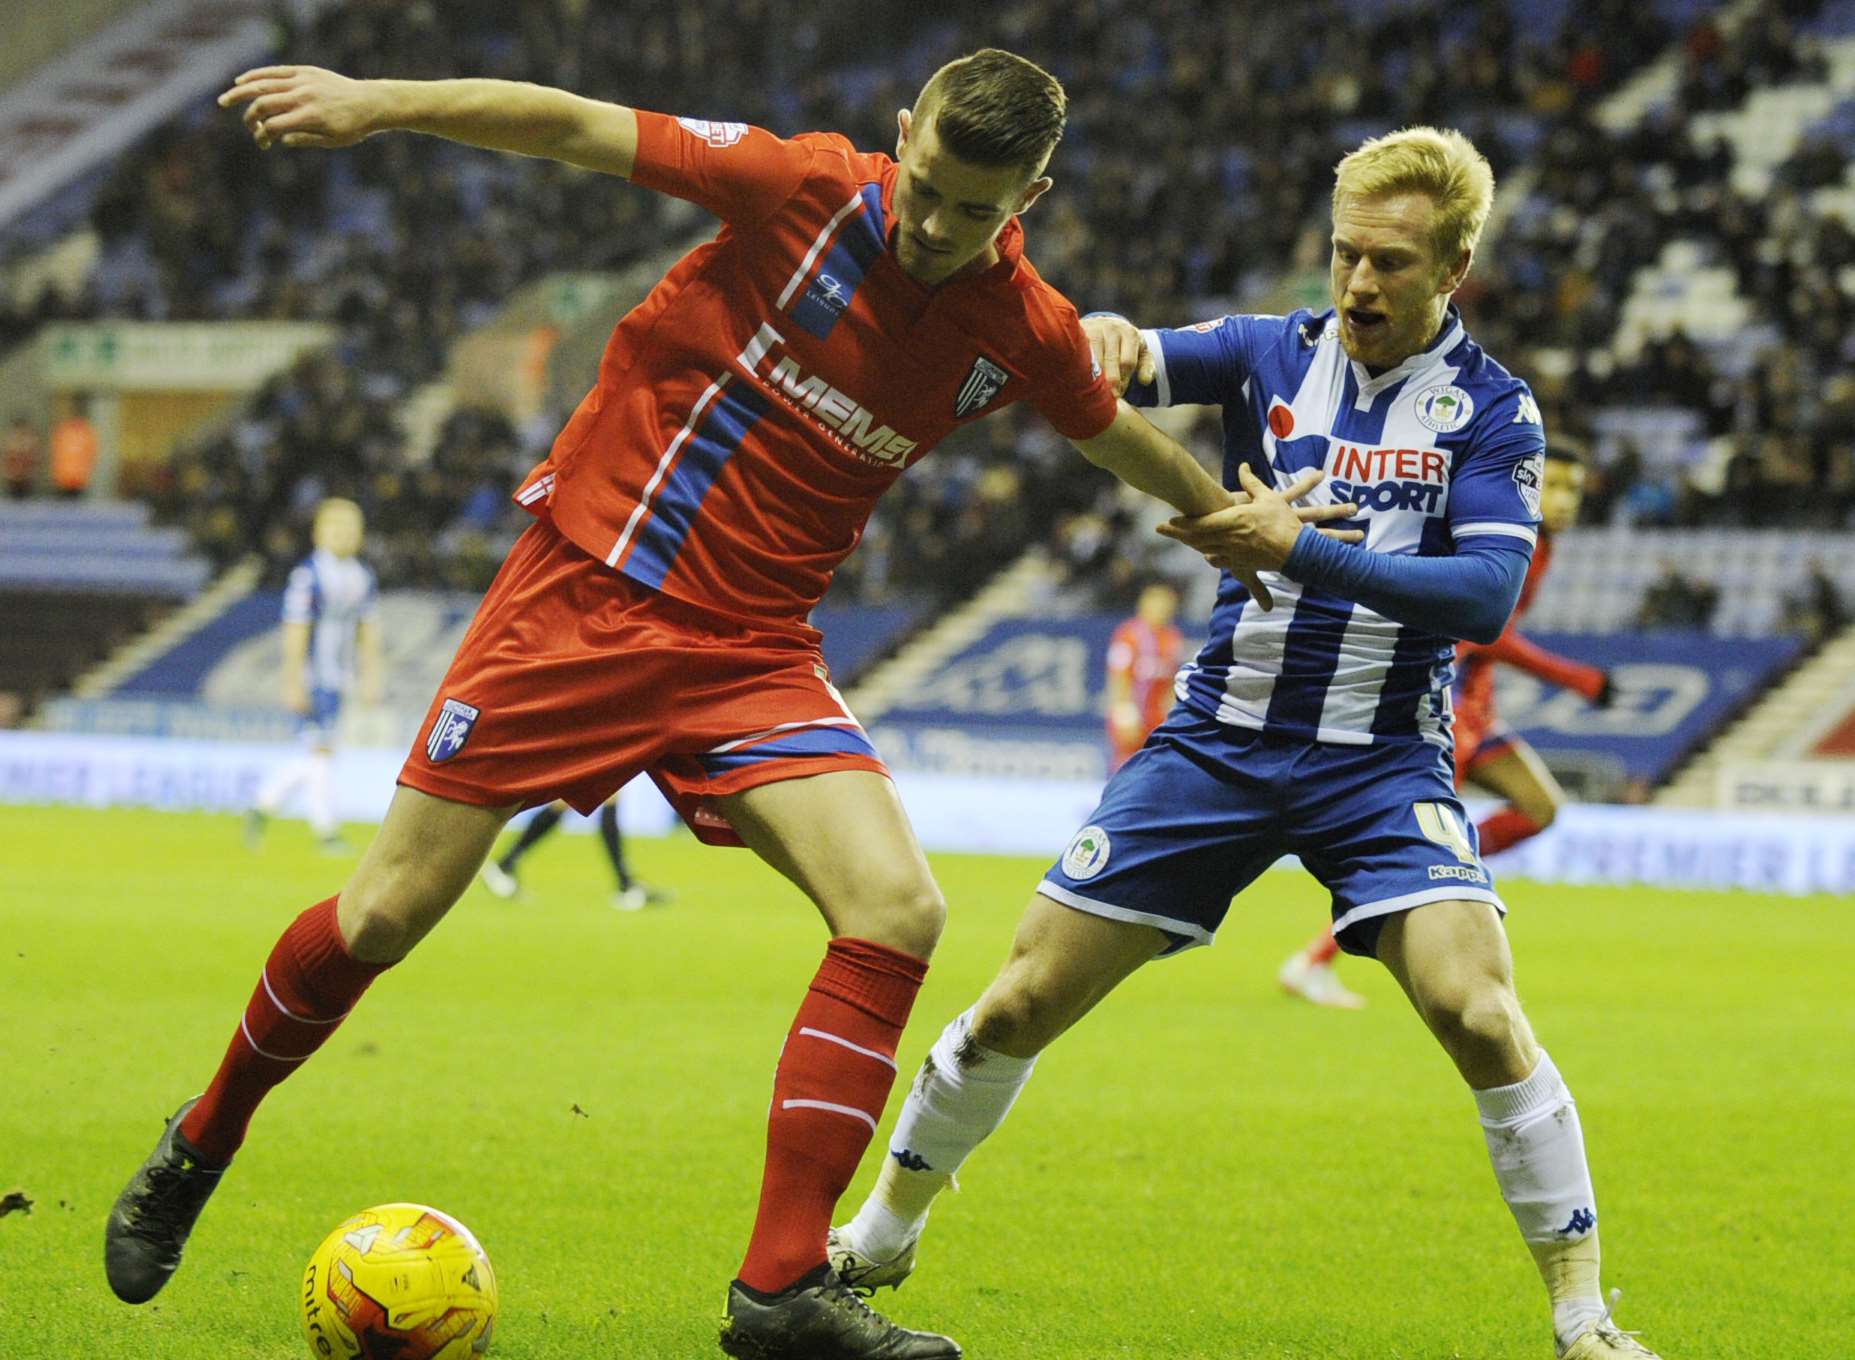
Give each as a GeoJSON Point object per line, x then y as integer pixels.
{"type": "Point", "coordinates": [1149, 657]}
{"type": "Point", "coordinates": [750, 411]}
{"type": "Point", "coordinates": [1476, 661]}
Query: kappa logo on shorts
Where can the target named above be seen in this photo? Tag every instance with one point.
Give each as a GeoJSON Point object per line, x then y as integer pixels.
{"type": "Point", "coordinates": [1466, 873]}
{"type": "Point", "coordinates": [1087, 854]}
{"type": "Point", "coordinates": [450, 730]}
{"type": "Point", "coordinates": [985, 381]}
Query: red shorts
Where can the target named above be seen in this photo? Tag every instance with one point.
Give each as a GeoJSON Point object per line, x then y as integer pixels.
{"type": "Point", "coordinates": [1479, 735]}
{"type": "Point", "coordinates": [573, 679]}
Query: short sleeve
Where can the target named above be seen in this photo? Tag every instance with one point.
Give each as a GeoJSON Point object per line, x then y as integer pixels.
{"type": "Point", "coordinates": [299, 595]}
{"type": "Point", "coordinates": [1206, 364]}
{"type": "Point", "coordinates": [1072, 393]}
{"type": "Point", "coordinates": [370, 602]}
{"type": "Point", "coordinates": [738, 172]}
{"type": "Point", "coordinates": [1120, 652]}
{"type": "Point", "coordinates": [1495, 485]}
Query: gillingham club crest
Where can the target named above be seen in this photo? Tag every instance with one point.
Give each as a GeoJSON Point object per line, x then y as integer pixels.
{"type": "Point", "coordinates": [985, 381]}
{"type": "Point", "coordinates": [1445, 408]}
{"type": "Point", "coordinates": [1087, 854]}
{"type": "Point", "coordinates": [450, 730]}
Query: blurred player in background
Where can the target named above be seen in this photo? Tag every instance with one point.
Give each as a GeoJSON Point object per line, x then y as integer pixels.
{"type": "Point", "coordinates": [852, 312]}
{"type": "Point", "coordinates": [1143, 657]}
{"type": "Point", "coordinates": [1489, 754]}
{"type": "Point", "coordinates": [632, 893]}
{"type": "Point", "coordinates": [1315, 718]}
{"type": "Point", "coordinates": [331, 640]}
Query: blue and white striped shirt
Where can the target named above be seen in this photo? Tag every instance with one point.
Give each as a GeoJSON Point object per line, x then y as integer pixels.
{"type": "Point", "coordinates": [334, 596]}
{"type": "Point", "coordinates": [1444, 447]}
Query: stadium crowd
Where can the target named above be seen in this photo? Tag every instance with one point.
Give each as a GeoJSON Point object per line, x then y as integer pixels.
{"type": "Point", "coordinates": [407, 243]}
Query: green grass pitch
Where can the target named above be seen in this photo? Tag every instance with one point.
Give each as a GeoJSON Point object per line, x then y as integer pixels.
{"type": "Point", "coordinates": [1202, 1169]}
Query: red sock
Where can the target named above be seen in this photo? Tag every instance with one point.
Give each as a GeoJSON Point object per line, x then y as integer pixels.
{"type": "Point", "coordinates": [1505, 828]}
{"type": "Point", "coordinates": [309, 983]}
{"type": "Point", "coordinates": [1323, 949]}
{"type": "Point", "coordinates": [833, 1080]}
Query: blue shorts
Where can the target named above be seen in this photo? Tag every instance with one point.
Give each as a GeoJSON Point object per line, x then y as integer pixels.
{"type": "Point", "coordinates": [1203, 808]}
{"type": "Point", "coordinates": [317, 727]}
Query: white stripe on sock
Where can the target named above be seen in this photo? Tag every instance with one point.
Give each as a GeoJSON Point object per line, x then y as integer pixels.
{"type": "Point", "coordinates": [274, 1057]}
{"type": "Point", "coordinates": [854, 1048]}
{"type": "Point", "coordinates": [265, 978]}
{"type": "Point", "coordinates": [851, 1110]}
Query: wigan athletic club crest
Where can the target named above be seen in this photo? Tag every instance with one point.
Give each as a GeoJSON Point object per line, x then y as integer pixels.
{"type": "Point", "coordinates": [450, 730]}
{"type": "Point", "coordinates": [982, 384]}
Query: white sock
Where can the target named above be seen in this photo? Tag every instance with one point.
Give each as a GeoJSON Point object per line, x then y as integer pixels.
{"type": "Point", "coordinates": [1537, 1147]}
{"type": "Point", "coordinates": [280, 784]}
{"type": "Point", "coordinates": [961, 1094]}
{"type": "Point", "coordinates": [322, 793]}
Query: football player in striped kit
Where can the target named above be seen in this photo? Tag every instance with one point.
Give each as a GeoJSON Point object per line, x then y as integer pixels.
{"type": "Point", "coordinates": [331, 640]}
{"type": "Point", "coordinates": [1315, 720]}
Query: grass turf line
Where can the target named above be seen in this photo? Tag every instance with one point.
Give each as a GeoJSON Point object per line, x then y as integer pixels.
{"type": "Point", "coordinates": [1202, 1169]}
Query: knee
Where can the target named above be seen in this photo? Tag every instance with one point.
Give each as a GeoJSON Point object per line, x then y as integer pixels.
{"type": "Point", "coordinates": [1480, 1025]}
{"type": "Point", "coordinates": [1543, 811]}
{"type": "Point", "coordinates": [1019, 1014]}
{"type": "Point", "coordinates": [907, 915]}
{"type": "Point", "coordinates": [382, 914]}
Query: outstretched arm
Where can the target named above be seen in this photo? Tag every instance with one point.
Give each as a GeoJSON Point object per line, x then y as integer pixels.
{"type": "Point", "coordinates": [1147, 460]}
{"type": "Point", "coordinates": [1517, 651]}
{"type": "Point", "coordinates": [1150, 461]}
{"type": "Point", "coordinates": [307, 106]}
{"type": "Point", "coordinates": [1468, 595]}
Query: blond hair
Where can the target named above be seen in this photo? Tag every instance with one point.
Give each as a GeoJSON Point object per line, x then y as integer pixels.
{"type": "Point", "coordinates": [996, 109]}
{"type": "Point", "coordinates": [1439, 162]}
{"type": "Point", "coordinates": [333, 506]}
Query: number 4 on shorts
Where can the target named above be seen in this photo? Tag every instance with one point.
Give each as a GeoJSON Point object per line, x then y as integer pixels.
{"type": "Point", "coordinates": [1438, 822]}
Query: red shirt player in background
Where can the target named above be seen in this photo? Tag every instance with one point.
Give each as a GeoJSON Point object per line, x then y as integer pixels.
{"type": "Point", "coordinates": [1489, 754]}
{"type": "Point", "coordinates": [851, 312]}
{"type": "Point", "coordinates": [1144, 655]}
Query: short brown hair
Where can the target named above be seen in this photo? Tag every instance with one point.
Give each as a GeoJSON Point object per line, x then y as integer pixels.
{"type": "Point", "coordinates": [994, 108]}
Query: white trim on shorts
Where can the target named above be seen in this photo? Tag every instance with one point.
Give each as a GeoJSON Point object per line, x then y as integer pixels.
{"type": "Point", "coordinates": [1195, 935]}
{"type": "Point", "coordinates": [1391, 905]}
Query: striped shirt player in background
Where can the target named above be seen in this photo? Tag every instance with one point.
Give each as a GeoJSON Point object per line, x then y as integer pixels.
{"type": "Point", "coordinates": [1318, 727]}
{"type": "Point", "coordinates": [331, 639]}
{"type": "Point", "coordinates": [1144, 653]}
{"type": "Point", "coordinates": [852, 311]}
{"type": "Point", "coordinates": [1489, 753]}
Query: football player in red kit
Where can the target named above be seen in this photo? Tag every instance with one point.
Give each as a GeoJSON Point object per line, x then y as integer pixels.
{"type": "Point", "coordinates": [852, 311]}
{"type": "Point", "coordinates": [1489, 754]}
{"type": "Point", "coordinates": [1143, 657]}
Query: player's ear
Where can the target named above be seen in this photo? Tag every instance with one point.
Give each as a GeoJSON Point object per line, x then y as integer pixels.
{"type": "Point", "coordinates": [903, 119]}
{"type": "Point", "coordinates": [1033, 191]}
{"type": "Point", "coordinates": [1458, 271]}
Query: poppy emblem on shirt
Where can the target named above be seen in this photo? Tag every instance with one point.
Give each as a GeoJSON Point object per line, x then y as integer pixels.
{"type": "Point", "coordinates": [985, 381]}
